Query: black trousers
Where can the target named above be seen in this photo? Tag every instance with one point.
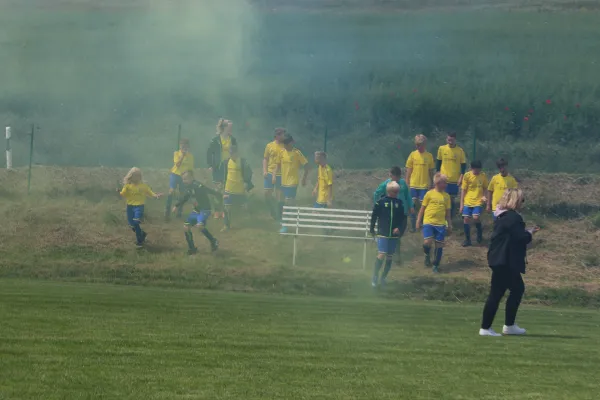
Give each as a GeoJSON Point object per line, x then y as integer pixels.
{"type": "Point", "coordinates": [503, 278]}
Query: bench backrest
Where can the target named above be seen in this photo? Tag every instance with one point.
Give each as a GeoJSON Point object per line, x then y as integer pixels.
{"type": "Point", "coordinates": [327, 222]}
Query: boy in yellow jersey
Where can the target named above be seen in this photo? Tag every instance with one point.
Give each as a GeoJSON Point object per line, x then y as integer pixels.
{"type": "Point", "coordinates": [499, 184]}
{"type": "Point", "coordinates": [183, 161]}
{"type": "Point", "coordinates": [238, 181]}
{"type": "Point", "coordinates": [218, 154]}
{"type": "Point", "coordinates": [135, 192]}
{"type": "Point", "coordinates": [324, 188]}
{"type": "Point", "coordinates": [435, 212]}
{"type": "Point", "coordinates": [451, 161]}
{"type": "Point", "coordinates": [270, 158]}
{"type": "Point", "coordinates": [472, 198]}
{"type": "Point", "coordinates": [290, 161]}
{"type": "Point", "coordinates": [419, 170]}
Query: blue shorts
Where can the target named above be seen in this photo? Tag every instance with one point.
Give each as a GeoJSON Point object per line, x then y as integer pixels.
{"type": "Point", "coordinates": [234, 199]}
{"type": "Point", "coordinates": [175, 181]}
{"type": "Point", "coordinates": [452, 189]}
{"type": "Point", "coordinates": [135, 214]}
{"type": "Point", "coordinates": [198, 218]}
{"type": "Point", "coordinates": [269, 182]}
{"type": "Point", "coordinates": [472, 211]}
{"type": "Point", "coordinates": [387, 245]}
{"type": "Point", "coordinates": [289, 192]}
{"type": "Point", "coordinates": [418, 193]}
{"type": "Point", "coordinates": [434, 232]}
{"type": "Point", "coordinates": [320, 205]}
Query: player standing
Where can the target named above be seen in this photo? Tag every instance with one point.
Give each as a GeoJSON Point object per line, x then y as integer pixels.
{"type": "Point", "coordinates": [451, 161]}
{"type": "Point", "coordinates": [323, 190]}
{"type": "Point", "coordinates": [472, 198]}
{"type": "Point", "coordinates": [270, 160]}
{"type": "Point", "coordinates": [419, 171]}
{"type": "Point", "coordinates": [499, 183]}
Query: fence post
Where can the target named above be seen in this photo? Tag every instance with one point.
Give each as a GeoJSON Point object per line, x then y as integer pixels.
{"type": "Point", "coordinates": [295, 237]}
{"type": "Point", "coordinates": [8, 149]}
{"type": "Point", "coordinates": [30, 159]}
{"type": "Point", "coordinates": [365, 244]}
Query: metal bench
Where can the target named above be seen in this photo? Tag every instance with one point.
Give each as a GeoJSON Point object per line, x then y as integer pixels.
{"type": "Point", "coordinates": [327, 223]}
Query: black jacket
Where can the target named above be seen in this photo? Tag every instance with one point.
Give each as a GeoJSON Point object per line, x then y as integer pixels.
{"type": "Point", "coordinates": [213, 154]}
{"type": "Point", "coordinates": [388, 213]}
{"type": "Point", "coordinates": [508, 245]}
{"type": "Point", "coordinates": [246, 174]}
{"type": "Point", "coordinates": [200, 194]}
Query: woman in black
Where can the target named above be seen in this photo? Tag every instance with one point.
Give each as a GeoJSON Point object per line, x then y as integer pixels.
{"type": "Point", "coordinates": [507, 258]}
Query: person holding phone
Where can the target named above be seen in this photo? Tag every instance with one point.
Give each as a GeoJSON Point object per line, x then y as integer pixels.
{"type": "Point", "coordinates": [507, 257]}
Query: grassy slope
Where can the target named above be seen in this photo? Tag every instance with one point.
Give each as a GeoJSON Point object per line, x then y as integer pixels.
{"type": "Point", "coordinates": [82, 342]}
{"type": "Point", "coordinates": [72, 228]}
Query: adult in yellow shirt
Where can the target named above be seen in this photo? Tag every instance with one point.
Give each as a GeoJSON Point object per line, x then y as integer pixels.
{"type": "Point", "coordinates": [451, 161]}
{"type": "Point", "coordinates": [238, 181]}
{"type": "Point", "coordinates": [270, 160]}
{"type": "Point", "coordinates": [419, 171]}
{"type": "Point", "coordinates": [435, 213]}
{"type": "Point", "coordinates": [135, 192]}
{"type": "Point", "coordinates": [472, 198]}
{"type": "Point", "coordinates": [324, 188]}
{"type": "Point", "coordinates": [218, 154]}
{"type": "Point", "coordinates": [290, 161]}
{"type": "Point", "coordinates": [183, 161]}
{"type": "Point", "coordinates": [498, 185]}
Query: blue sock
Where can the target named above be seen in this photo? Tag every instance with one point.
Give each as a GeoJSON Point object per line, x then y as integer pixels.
{"type": "Point", "coordinates": [438, 256]}
{"type": "Point", "coordinates": [189, 238]}
{"type": "Point", "coordinates": [138, 232]}
{"type": "Point", "coordinates": [467, 231]}
{"type": "Point", "coordinates": [386, 270]}
{"type": "Point", "coordinates": [378, 264]}
{"type": "Point", "coordinates": [479, 229]}
{"type": "Point", "coordinates": [169, 204]}
{"type": "Point", "coordinates": [427, 250]}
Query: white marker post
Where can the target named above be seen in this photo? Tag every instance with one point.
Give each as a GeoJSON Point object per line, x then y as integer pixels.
{"type": "Point", "coordinates": [8, 149]}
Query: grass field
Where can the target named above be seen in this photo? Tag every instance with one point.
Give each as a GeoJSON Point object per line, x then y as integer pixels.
{"type": "Point", "coordinates": [80, 341]}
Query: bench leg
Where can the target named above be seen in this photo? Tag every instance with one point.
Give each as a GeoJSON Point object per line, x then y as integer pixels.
{"type": "Point", "coordinates": [365, 255]}
{"type": "Point", "coordinates": [294, 253]}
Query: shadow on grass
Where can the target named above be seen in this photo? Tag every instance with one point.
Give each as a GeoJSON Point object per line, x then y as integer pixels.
{"type": "Point", "coordinates": [552, 336]}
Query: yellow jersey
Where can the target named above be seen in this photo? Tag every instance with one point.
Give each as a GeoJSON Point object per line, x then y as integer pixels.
{"type": "Point", "coordinates": [421, 165]}
{"type": "Point", "coordinates": [451, 158]}
{"type": "Point", "coordinates": [291, 161]}
{"type": "Point", "coordinates": [272, 151]}
{"type": "Point", "coordinates": [436, 204]}
{"type": "Point", "coordinates": [473, 187]}
{"type": "Point", "coordinates": [235, 180]}
{"type": "Point", "coordinates": [498, 186]}
{"type": "Point", "coordinates": [186, 165]}
{"type": "Point", "coordinates": [135, 194]}
{"type": "Point", "coordinates": [225, 146]}
{"type": "Point", "coordinates": [325, 179]}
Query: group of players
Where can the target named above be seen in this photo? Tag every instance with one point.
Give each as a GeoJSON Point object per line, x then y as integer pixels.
{"type": "Point", "coordinates": [428, 196]}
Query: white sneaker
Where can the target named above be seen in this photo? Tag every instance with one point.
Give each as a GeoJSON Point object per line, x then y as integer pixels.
{"type": "Point", "coordinates": [488, 332]}
{"type": "Point", "coordinates": [513, 330]}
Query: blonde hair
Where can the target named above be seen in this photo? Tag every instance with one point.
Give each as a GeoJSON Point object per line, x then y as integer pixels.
{"type": "Point", "coordinates": [133, 173]}
{"type": "Point", "coordinates": [221, 126]}
{"type": "Point", "coordinates": [512, 199]}
{"type": "Point", "coordinates": [321, 154]}
{"type": "Point", "coordinates": [392, 187]}
{"type": "Point", "coordinates": [438, 177]}
{"type": "Point", "coordinates": [420, 139]}
{"type": "Point", "coordinates": [184, 142]}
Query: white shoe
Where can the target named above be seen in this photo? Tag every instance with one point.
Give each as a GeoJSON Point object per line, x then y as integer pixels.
{"type": "Point", "coordinates": [488, 332]}
{"type": "Point", "coordinates": [513, 330]}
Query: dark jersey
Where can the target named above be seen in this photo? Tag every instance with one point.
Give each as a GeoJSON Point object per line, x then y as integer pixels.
{"type": "Point", "coordinates": [388, 214]}
{"type": "Point", "coordinates": [200, 194]}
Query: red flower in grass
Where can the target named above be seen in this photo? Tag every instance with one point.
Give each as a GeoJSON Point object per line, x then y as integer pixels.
{"type": "Point", "coordinates": [577, 105]}
{"type": "Point", "coordinates": [526, 118]}
{"type": "Point", "coordinates": [415, 90]}
{"type": "Point", "coordinates": [506, 108]}
{"type": "Point", "coordinates": [565, 117]}
{"type": "Point", "coordinates": [548, 101]}
{"type": "Point", "coordinates": [356, 105]}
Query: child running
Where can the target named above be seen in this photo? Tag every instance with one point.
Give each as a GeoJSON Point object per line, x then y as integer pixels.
{"type": "Point", "coordinates": [435, 212]}
{"type": "Point", "coordinates": [419, 170]}
{"type": "Point", "coordinates": [388, 214]}
{"type": "Point", "coordinates": [200, 213]}
{"type": "Point", "coordinates": [270, 158]}
{"type": "Point", "coordinates": [324, 188]}
{"type": "Point", "coordinates": [498, 185]}
{"type": "Point", "coordinates": [135, 192]}
{"type": "Point", "coordinates": [238, 181]}
{"type": "Point", "coordinates": [472, 199]}
{"type": "Point", "coordinates": [184, 161]}
{"type": "Point", "coordinates": [290, 161]}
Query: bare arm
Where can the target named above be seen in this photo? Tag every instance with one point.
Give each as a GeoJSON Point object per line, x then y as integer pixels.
{"type": "Point", "coordinates": [449, 220]}
{"type": "Point", "coordinates": [265, 166]}
{"type": "Point", "coordinates": [489, 202]}
{"type": "Point", "coordinates": [462, 199]}
{"type": "Point", "coordinates": [305, 176]}
{"type": "Point", "coordinates": [408, 174]}
{"type": "Point", "coordinates": [420, 216]}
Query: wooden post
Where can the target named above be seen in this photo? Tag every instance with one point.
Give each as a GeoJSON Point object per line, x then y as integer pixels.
{"type": "Point", "coordinates": [8, 149]}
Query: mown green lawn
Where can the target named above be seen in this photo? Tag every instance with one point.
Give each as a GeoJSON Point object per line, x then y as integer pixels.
{"type": "Point", "coordinates": [79, 341]}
